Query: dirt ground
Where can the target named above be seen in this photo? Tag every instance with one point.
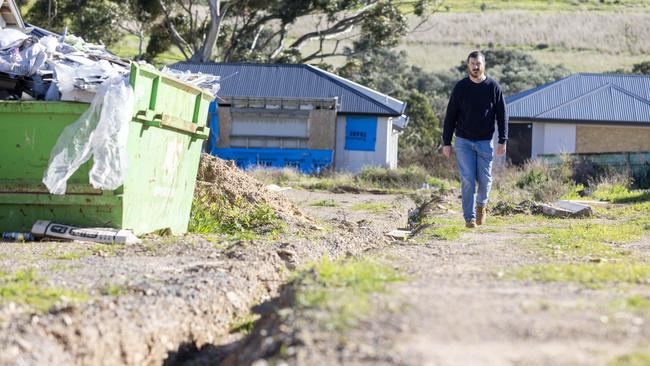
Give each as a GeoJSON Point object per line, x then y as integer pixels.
{"type": "Point", "coordinates": [458, 308]}
{"type": "Point", "coordinates": [179, 297]}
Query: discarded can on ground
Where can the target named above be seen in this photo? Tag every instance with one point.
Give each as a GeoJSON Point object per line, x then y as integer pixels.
{"type": "Point", "coordinates": [17, 236]}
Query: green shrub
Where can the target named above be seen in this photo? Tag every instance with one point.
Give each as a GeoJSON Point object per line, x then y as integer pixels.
{"type": "Point", "coordinates": [536, 180]}
{"type": "Point", "coordinates": [25, 286]}
{"type": "Point", "coordinates": [239, 217]}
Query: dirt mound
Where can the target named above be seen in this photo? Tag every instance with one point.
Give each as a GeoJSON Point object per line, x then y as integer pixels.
{"type": "Point", "coordinates": [220, 178]}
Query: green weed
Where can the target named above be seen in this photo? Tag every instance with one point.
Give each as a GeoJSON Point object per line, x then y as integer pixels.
{"type": "Point", "coordinates": [105, 250]}
{"type": "Point", "coordinates": [25, 286]}
{"type": "Point", "coordinates": [238, 218]}
{"type": "Point", "coordinates": [245, 324]}
{"type": "Point", "coordinates": [440, 228]}
{"type": "Point", "coordinates": [635, 303]}
{"type": "Point", "coordinates": [342, 288]}
{"type": "Point", "coordinates": [536, 181]}
{"type": "Point", "coordinates": [372, 207]}
{"type": "Point", "coordinates": [619, 193]}
{"type": "Point", "coordinates": [324, 203]}
{"type": "Point", "coordinates": [632, 359]}
{"type": "Point", "coordinates": [451, 232]}
{"type": "Point", "coordinates": [73, 255]}
{"type": "Point", "coordinates": [580, 240]}
{"type": "Point", "coordinates": [112, 289]}
{"type": "Point", "coordinates": [412, 177]}
{"type": "Point", "coordinates": [398, 180]}
{"type": "Point", "coordinates": [592, 275]}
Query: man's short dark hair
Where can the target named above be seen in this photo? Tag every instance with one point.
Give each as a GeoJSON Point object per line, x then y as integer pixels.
{"type": "Point", "coordinates": [476, 54]}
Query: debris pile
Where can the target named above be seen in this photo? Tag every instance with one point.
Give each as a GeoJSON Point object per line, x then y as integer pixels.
{"type": "Point", "coordinates": [50, 68]}
{"type": "Point", "coordinates": [526, 207]}
{"type": "Point", "coordinates": [220, 178]}
{"type": "Point", "coordinates": [200, 80]}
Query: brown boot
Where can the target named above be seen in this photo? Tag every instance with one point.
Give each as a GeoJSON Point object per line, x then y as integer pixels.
{"type": "Point", "coordinates": [470, 224]}
{"type": "Point", "coordinates": [481, 214]}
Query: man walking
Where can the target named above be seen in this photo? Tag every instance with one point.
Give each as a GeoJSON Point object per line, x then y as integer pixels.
{"type": "Point", "coordinates": [476, 103]}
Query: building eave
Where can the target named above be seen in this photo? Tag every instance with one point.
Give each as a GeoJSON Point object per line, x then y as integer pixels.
{"type": "Point", "coordinates": [580, 122]}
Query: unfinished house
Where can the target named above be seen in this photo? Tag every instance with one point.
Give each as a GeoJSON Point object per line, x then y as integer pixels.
{"type": "Point", "coordinates": [10, 15]}
{"type": "Point", "coordinates": [280, 115]}
{"type": "Point", "coordinates": [585, 114]}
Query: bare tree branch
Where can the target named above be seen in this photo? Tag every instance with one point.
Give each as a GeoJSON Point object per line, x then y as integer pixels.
{"type": "Point", "coordinates": [204, 53]}
{"type": "Point", "coordinates": [342, 26]}
{"type": "Point", "coordinates": [180, 42]}
{"type": "Point", "coordinates": [257, 36]}
{"type": "Point", "coordinates": [280, 47]}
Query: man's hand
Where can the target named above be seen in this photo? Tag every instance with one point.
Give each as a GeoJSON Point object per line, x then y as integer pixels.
{"type": "Point", "coordinates": [446, 151]}
{"type": "Point", "coordinates": [500, 150]}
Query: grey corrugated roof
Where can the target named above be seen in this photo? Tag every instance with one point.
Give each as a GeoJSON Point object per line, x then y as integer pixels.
{"type": "Point", "coordinates": [588, 98]}
{"type": "Point", "coordinates": [40, 32]}
{"type": "Point", "coordinates": [295, 81]}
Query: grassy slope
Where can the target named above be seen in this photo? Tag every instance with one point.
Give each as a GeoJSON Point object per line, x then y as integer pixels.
{"type": "Point", "coordinates": [584, 35]}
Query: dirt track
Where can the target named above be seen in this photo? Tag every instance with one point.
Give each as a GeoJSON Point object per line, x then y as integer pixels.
{"type": "Point", "coordinates": [455, 308]}
{"type": "Point", "coordinates": [459, 308]}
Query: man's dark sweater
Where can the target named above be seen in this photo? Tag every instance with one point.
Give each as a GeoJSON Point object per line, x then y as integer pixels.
{"type": "Point", "coordinates": [473, 108]}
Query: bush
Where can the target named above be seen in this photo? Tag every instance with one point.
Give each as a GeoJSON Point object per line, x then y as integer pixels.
{"type": "Point", "coordinates": [536, 180]}
{"type": "Point", "coordinates": [236, 218]}
{"type": "Point", "coordinates": [412, 177]}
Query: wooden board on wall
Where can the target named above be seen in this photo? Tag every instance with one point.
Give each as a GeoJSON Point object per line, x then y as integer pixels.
{"type": "Point", "coordinates": [225, 120]}
{"type": "Point", "coordinates": [322, 129]}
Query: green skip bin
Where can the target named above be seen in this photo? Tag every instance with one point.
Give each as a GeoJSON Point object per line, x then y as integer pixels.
{"type": "Point", "coordinates": [164, 146]}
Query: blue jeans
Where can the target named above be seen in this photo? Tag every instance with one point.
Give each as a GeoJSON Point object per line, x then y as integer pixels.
{"type": "Point", "coordinates": [474, 160]}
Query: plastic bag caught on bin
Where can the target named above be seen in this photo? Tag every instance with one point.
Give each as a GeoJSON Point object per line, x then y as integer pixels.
{"type": "Point", "coordinates": [102, 133]}
{"type": "Point", "coordinates": [10, 38]}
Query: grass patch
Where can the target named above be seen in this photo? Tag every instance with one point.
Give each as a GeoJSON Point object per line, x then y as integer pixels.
{"type": "Point", "coordinates": [634, 212]}
{"type": "Point", "coordinates": [412, 177]}
{"type": "Point", "coordinates": [324, 203]}
{"type": "Point", "coordinates": [440, 228]}
{"type": "Point", "coordinates": [245, 324]}
{"type": "Point", "coordinates": [73, 255]}
{"type": "Point", "coordinates": [342, 288]}
{"type": "Point", "coordinates": [239, 219]}
{"type": "Point", "coordinates": [536, 181]}
{"type": "Point", "coordinates": [635, 303]}
{"type": "Point", "coordinates": [631, 359]}
{"type": "Point", "coordinates": [105, 250]}
{"type": "Point", "coordinates": [372, 207]}
{"type": "Point", "coordinates": [580, 240]}
{"type": "Point", "coordinates": [542, 5]}
{"type": "Point", "coordinates": [516, 219]}
{"type": "Point", "coordinates": [592, 275]}
{"type": "Point", "coordinates": [113, 289]}
{"type": "Point", "coordinates": [400, 180]}
{"type": "Point", "coordinates": [619, 193]}
{"type": "Point", "coordinates": [451, 232]}
{"type": "Point", "coordinates": [25, 286]}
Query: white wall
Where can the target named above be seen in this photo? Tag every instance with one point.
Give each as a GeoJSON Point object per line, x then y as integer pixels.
{"type": "Point", "coordinates": [557, 138]}
{"type": "Point", "coordinates": [352, 160]}
{"type": "Point", "coordinates": [393, 148]}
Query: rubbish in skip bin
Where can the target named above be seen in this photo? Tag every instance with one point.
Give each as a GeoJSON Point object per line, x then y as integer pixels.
{"type": "Point", "coordinates": [99, 235]}
{"type": "Point", "coordinates": [163, 135]}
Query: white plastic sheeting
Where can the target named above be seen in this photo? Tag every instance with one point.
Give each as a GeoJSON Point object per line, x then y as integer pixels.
{"type": "Point", "coordinates": [101, 133]}
{"type": "Point", "coordinates": [205, 81]}
{"type": "Point", "coordinates": [11, 38]}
